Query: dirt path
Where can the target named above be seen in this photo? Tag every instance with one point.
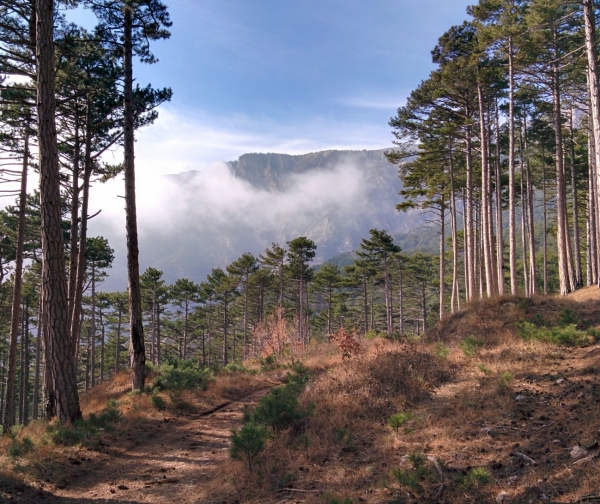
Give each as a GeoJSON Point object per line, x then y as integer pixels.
{"type": "Point", "coordinates": [159, 461]}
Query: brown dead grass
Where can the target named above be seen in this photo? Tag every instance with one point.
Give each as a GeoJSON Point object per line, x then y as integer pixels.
{"type": "Point", "coordinates": [465, 415]}
{"type": "Point", "coordinates": [507, 400]}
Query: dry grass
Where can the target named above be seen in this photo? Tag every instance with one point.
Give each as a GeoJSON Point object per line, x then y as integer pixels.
{"type": "Point", "coordinates": [496, 404]}
{"type": "Point", "coordinates": [490, 408]}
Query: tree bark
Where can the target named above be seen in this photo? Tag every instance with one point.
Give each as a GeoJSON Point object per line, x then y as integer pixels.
{"type": "Point", "coordinates": [594, 92]}
{"type": "Point", "coordinates": [561, 210]}
{"type": "Point", "coordinates": [59, 353]}
{"type": "Point", "coordinates": [512, 240]}
{"type": "Point", "coordinates": [8, 419]}
{"type": "Point", "coordinates": [137, 354]}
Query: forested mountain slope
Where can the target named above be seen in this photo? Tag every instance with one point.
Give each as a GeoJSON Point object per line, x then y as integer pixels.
{"type": "Point", "coordinates": [332, 197]}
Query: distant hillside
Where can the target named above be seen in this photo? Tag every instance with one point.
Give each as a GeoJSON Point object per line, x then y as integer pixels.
{"type": "Point", "coordinates": [218, 213]}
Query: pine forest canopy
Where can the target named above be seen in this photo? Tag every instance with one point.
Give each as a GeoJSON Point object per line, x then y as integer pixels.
{"type": "Point", "coordinates": [505, 169]}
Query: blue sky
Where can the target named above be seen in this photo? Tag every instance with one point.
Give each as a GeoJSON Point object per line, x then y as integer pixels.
{"type": "Point", "coordinates": [286, 76]}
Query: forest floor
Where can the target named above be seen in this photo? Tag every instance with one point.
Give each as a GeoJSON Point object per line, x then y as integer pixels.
{"type": "Point", "coordinates": [487, 417]}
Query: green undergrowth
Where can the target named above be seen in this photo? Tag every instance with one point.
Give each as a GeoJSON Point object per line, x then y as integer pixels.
{"type": "Point", "coordinates": [86, 432]}
{"type": "Point", "coordinates": [276, 411]}
{"type": "Point", "coordinates": [569, 335]}
{"type": "Point", "coordinates": [178, 374]}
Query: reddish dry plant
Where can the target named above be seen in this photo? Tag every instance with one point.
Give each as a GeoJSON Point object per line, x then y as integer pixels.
{"type": "Point", "coordinates": [272, 336]}
{"type": "Point", "coordinates": [349, 346]}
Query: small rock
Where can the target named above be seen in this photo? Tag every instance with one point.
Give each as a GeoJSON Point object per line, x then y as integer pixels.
{"type": "Point", "coordinates": [520, 397]}
{"type": "Point", "coordinates": [502, 496]}
{"type": "Point", "coordinates": [559, 381]}
{"type": "Point", "coordinates": [485, 430]}
{"type": "Point", "coordinates": [123, 487]}
{"type": "Point", "coordinates": [578, 452]}
{"type": "Point", "coordinates": [581, 395]}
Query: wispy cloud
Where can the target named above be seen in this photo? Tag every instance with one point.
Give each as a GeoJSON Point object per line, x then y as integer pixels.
{"type": "Point", "coordinates": [373, 102]}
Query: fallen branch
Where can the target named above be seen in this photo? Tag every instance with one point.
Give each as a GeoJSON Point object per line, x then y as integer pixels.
{"type": "Point", "coordinates": [437, 465]}
{"type": "Point", "coordinates": [297, 490]}
{"type": "Point", "coordinates": [526, 458]}
{"type": "Point", "coordinates": [163, 481]}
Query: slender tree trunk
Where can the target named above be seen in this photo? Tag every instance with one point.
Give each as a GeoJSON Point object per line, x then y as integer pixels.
{"type": "Point", "coordinates": [93, 326]}
{"type": "Point", "coordinates": [118, 340]}
{"type": "Point", "coordinates": [545, 221]}
{"type": "Point", "coordinates": [73, 252]}
{"type": "Point", "coordinates": [485, 198]}
{"type": "Point", "coordinates": [400, 297]}
{"type": "Point", "coordinates": [594, 92]}
{"type": "Point", "coordinates": [154, 324]}
{"type": "Point", "coordinates": [38, 347]}
{"type": "Point", "coordinates": [246, 318]}
{"type": "Point", "coordinates": [470, 254]}
{"type": "Point", "coordinates": [512, 240]}
{"type": "Point", "coordinates": [75, 312]}
{"type": "Point", "coordinates": [499, 224]}
{"type": "Point", "coordinates": [225, 359]}
{"type": "Point", "coordinates": [25, 387]}
{"type": "Point", "coordinates": [102, 347]}
{"type": "Point", "coordinates": [578, 279]}
{"type": "Point", "coordinates": [8, 419]}
{"type": "Point", "coordinates": [592, 255]}
{"type": "Point", "coordinates": [530, 226]}
{"type": "Point", "coordinates": [158, 347]}
{"type": "Point", "coordinates": [137, 354]}
{"type": "Point", "coordinates": [388, 301]}
{"type": "Point", "coordinates": [561, 211]}
{"type": "Point", "coordinates": [442, 270]}
{"type": "Point", "coordinates": [366, 302]}
{"type": "Point", "coordinates": [455, 300]}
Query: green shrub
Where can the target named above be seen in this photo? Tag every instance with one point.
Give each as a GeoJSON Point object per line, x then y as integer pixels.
{"type": "Point", "coordinates": [504, 381]}
{"type": "Point", "coordinates": [398, 420]}
{"type": "Point", "coordinates": [483, 368]}
{"type": "Point", "coordinates": [407, 478]}
{"type": "Point", "coordinates": [470, 346]}
{"type": "Point", "coordinates": [567, 335]}
{"type": "Point", "coordinates": [279, 409]}
{"type": "Point", "coordinates": [567, 317]}
{"type": "Point", "coordinates": [477, 476]}
{"type": "Point", "coordinates": [248, 442]}
{"type": "Point", "coordinates": [441, 351]}
{"type": "Point", "coordinates": [234, 367]}
{"type": "Point", "coordinates": [372, 334]}
{"type": "Point", "coordinates": [182, 375]}
{"type": "Point", "coordinates": [18, 447]}
{"type": "Point", "coordinates": [158, 402]}
{"type": "Point", "coordinates": [268, 363]}
{"type": "Point", "coordinates": [84, 431]}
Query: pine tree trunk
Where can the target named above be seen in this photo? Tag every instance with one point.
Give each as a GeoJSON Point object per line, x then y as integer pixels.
{"type": "Point", "coordinates": [470, 263]}
{"type": "Point", "coordinates": [499, 224]}
{"type": "Point", "coordinates": [366, 302]}
{"type": "Point", "coordinates": [73, 252]}
{"type": "Point", "coordinates": [118, 341]}
{"type": "Point", "coordinates": [25, 384]}
{"type": "Point", "coordinates": [8, 418]}
{"type": "Point", "coordinates": [561, 211]}
{"type": "Point", "coordinates": [545, 221]}
{"type": "Point", "coordinates": [592, 253]}
{"type": "Point", "coordinates": [442, 270]}
{"type": "Point", "coordinates": [578, 278]}
{"type": "Point", "coordinates": [388, 301]}
{"type": "Point", "coordinates": [246, 318]}
{"type": "Point", "coordinates": [137, 354]}
{"type": "Point", "coordinates": [93, 328]}
{"type": "Point", "coordinates": [59, 352]}
{"type": "Point", "coordinates": [594, 93]}
{"type": "Point", "coordinates": [455, 300]}
{"type": "Point", "coordinates": [512, 240]}
{"type": "Point", "coordinates": [38, 347]}
{"type": "Point", "coordinates": [75, 309]}
{"type": "Point", "coordinates": [102, 348]}
{"type": "Point", "coordinates": [400, 298]}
